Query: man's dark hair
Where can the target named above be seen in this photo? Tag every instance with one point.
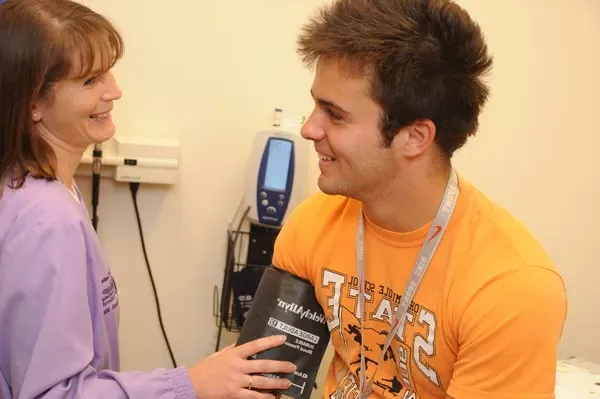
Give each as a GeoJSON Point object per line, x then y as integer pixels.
{"type": "Point", "coordinates": [425, 60]}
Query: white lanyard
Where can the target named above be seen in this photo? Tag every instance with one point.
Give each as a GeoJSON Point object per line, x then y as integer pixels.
{"type": "Point", "coordinates": [426, 253]}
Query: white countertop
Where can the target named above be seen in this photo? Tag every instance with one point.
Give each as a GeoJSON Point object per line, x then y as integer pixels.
{"type": "Point", "coordinates": [577, 378]}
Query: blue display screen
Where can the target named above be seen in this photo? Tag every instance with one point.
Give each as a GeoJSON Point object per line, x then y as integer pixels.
{"type": "Point", "coordinates": [278, 164]}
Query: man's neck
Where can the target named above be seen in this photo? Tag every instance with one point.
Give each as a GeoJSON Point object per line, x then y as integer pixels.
{"type": "Point", "coordinates": [68, 158]}
{"type": "Point", "coordinates": [410, 201]}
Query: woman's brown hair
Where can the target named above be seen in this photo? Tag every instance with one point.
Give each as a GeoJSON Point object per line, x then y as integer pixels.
{"type": "Point", "coordinates": [41, 43]}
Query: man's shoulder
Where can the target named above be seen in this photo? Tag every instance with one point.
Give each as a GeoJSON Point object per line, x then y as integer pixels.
{"type": "Point", "coordinates": [319, 210]}
{"type": "Point", "coordinates": [317, 219]}
{"type": "Point", "coordinates": [499, 239]}
{"type": "Point", "coordinates": [494, 256]}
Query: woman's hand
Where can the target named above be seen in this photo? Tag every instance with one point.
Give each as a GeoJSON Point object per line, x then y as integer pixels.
{"type": "Point", "coordinates": [229, 374]}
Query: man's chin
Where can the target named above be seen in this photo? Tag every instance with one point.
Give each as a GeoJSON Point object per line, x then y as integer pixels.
{"type": "Point", "coordinates": [329, 187]}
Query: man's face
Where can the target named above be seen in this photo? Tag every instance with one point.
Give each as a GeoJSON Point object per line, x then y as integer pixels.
{"type": "Point", "coordinates": [344, 127]}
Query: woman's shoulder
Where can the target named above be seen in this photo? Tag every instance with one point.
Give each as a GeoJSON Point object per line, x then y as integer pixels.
{"type": "Point", "coordinates": [37, 202]}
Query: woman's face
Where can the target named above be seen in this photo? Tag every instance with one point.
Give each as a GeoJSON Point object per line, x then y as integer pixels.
{"type": "Point", "coordinates": [78, 111]}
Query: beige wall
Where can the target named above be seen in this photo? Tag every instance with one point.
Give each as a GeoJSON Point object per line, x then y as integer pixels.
{"type": "Point", "coordinates": [200, 72]}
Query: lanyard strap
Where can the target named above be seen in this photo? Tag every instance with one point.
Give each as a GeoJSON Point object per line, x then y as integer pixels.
{"type": "Point", "coordinates": [426, 253]}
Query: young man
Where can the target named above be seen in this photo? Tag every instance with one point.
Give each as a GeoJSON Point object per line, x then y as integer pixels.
{"type": "Point", "coordinates": [398, 89]}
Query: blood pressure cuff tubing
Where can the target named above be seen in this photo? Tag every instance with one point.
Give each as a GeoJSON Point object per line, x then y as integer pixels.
{"type": "Point", "coordinates": [286, 304]}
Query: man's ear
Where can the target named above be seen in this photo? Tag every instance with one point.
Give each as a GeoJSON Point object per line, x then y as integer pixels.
{"type": "Point", "coordinates": [415, 139]}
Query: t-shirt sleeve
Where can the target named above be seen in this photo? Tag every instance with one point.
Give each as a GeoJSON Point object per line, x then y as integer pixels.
{"type": "Point", "coordinates": [289, 250]}
{"type": "Point", "coordinates": [508, 338]}
{"type": "Point", "coordinates": [47, 339]}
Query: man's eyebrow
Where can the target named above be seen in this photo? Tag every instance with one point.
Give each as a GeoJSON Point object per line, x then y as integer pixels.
{"type": "Point", "coordinates": [329, 104]}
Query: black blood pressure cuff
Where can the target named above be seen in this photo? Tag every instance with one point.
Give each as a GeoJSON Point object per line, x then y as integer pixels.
{"type": "Point", "coordinates": [286, 304]}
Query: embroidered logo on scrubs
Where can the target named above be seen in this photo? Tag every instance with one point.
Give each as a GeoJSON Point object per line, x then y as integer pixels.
{"type": "Point", "coordinates": [110, 299]}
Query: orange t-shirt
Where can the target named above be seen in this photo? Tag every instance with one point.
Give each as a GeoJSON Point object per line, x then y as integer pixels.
{"type": "Point", "coordinates": [484, 324]}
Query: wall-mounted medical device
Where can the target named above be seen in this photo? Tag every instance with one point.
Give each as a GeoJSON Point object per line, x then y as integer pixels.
{"type": "Point", "coordinates": [136, 159]}
{"type": "Point", "coordinates": [276, 176]}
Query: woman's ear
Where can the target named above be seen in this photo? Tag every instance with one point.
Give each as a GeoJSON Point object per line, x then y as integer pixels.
{"type": "Point", "coordinates": [36, 113]}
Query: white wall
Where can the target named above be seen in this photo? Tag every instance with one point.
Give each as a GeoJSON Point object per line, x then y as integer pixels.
{"type": "Point", "coordinates": [537, 149]}
{"type": "Point", "coordinates": [209, 76]}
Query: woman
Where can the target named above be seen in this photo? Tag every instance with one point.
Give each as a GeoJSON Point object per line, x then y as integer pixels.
{"type": "Point", "coordinates": [57, 340]}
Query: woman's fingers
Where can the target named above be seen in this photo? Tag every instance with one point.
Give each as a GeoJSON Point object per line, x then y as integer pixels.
{"type": "Point", "coordinates": [227, 348]}
{"type": "Point", "coordinates": [260, 345]}
{"type": "Point", "coordinates": [265, 383]}
{"type": "Point", "coordinates": [261, 386]}
{"type": "Point", "coordinates": [261, 366]}
{"type": "Point", "coordinates": [246, 394]}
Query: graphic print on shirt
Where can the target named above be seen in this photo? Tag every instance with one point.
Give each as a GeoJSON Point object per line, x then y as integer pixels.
{"type": "Point", "coordinates": [410, 351]}
{"type": "Point", "coordinates": [110, 298]}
